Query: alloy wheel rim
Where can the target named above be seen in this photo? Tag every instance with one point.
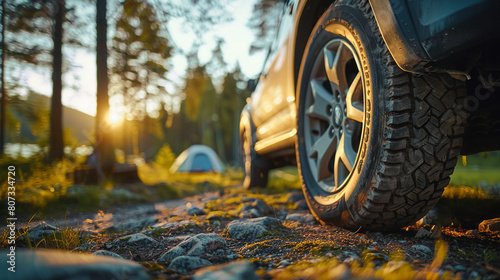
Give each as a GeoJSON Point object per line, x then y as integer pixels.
{"type": "Point", "coordinates": [334, 115]}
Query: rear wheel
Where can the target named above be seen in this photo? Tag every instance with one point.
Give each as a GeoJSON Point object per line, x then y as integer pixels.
{"type": "Point", "coordinates": [255, 168]}
{"type": "Point", "coordinates": [375, 145]}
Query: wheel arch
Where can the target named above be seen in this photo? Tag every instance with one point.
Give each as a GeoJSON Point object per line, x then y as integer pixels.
{"type": "Point", "coordinates": [305, 25]}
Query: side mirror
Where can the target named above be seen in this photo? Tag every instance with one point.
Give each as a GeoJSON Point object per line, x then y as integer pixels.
{"type": "Point", "coordinates": [251, 85]}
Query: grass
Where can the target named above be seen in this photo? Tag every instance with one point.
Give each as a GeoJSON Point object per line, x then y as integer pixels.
{"type": "Point", "coordinates": [331, 268]}
{"type": "Point", "coordinates": [479, 170]}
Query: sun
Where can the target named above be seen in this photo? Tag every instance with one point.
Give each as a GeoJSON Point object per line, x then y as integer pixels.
{"type": "Point", "coordinates": [115, 118]}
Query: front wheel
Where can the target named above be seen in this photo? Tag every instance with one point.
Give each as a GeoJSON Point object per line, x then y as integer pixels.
{"type": "Point", "coordinates": [375, 145]}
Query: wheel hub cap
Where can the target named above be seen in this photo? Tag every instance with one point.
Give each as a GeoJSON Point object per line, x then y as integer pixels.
{"type": "Point", "coordinates": [334, 115]}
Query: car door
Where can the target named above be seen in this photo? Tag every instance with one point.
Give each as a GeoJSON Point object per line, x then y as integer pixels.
{"type": "Point", "coordinates": [273, 100]}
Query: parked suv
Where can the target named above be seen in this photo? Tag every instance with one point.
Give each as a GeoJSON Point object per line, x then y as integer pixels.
{"type": "Point", "coordinates": [374, 100]}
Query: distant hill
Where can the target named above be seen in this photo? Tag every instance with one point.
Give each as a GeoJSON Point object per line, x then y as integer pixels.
{"type": "Point", "coordinates": [81, 124]}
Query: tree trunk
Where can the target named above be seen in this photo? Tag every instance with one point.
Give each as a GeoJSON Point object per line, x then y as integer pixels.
{"type": "Point", "coordinates": [56, 151]}
{"type": "Point", "coordinates": [104, 149]}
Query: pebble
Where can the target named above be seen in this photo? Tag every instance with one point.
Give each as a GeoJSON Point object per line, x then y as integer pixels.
{"type": "Point", "coordinates": [304, 218]}
{"type": "Point", "coordinates": [295, 197]}
{"type": "Point", "coordinates": [239, 270]}
{"type": "Point", "coordinates": [107, 253]}
{"type": "Point", "coordinates": [195, 211]}
{"type": "Point", "coordinates": [460, 267]}
{"type": "Point", "coordinates": [423, 233]}
{"type": "Point", "coordinates": [199, 245]}
{"type": "Point", "coordinates": [139, 238]}
{"type": "Point", "coordinates": [186, 264]}
{"type": "Point", "coordinates": [252, 228]}
{"type": "Point", "coordinates": [54, 264]}
{"type": "Point", "coordinates": [422, 248]}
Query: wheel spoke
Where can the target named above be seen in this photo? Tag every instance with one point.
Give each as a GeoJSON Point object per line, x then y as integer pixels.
{"type": "Point", "coordinates": [323, 150]}
{"type": "Point", "coordinates": [322, 100]}
{"type": "Point", "coordinates": [354, 112]}
{"type": "Point", "coordinates": [335, 63]}
{"type": "Point", "coordinates": [341, 158]}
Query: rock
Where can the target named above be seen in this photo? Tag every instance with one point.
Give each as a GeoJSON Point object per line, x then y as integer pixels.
{"type": "Point", "coordinates": [139, 238]}
{"type": "Point", "coordinates": [305, 218]}
{"type": "Point", "coordinates": [198, 245]}
{"type": "Point", "coordinates": [178, 238]}
{"type": "Point", "coordinates": [246, 208]}
{"type": "Point", "coordinates": [262, 207]}
{"type": "Point", "coordinates": [252, 228]}
{"type": "Point", "coordinates": [40, 231]}
{"type": "Point", "coordinates": [171, 224]}
{"type": "Point", "coordinates": [53, 264]}
{"type": "Point", "coordinates": [423, 233]}
{"type": "Point", "coordinates": [85, 246]}
{"type": "Point", "coordinates": [107, 254]}
{"type": "Point", "coordinates": [185, 264]}
{"type": "Point", "coordinates": [295, 197]}
{"type": "Point", "coordinates": [490, 225]}
{"type": "Point", "coordinates": [195, 211]}
{"type": "Point", "coordinates": [284, 263]}
{"type": "Point", "coordinates": [422, 249]}
{"type": "Point", "coordinates": [133, 225]}
{"type": "Point", "coordinates": [240, 270]}
{"type": "Point", "coordinates": [460, 267]}
{"type": "Point", "coordinates": [439, 215]}
{"type": "Point", "coordinates": [253, 213]}
{"type": "Point", "coordinates": [302, 205]}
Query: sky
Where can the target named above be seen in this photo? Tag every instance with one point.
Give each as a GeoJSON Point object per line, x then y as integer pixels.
{"type": "Point", "coordinates": [80, 81]}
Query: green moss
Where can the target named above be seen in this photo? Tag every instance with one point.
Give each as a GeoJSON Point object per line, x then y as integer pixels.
{"type": "Point", "coordinates": [152, 266]}
{"type": "Point", "coordinates": [288, 245]}
{"type": "Point", "coordinates": [315, 247]}
{"type": "Point", "coordinates": [260, 246]}
{"type": "Point", "coordinates": [269, 233]}
{"type": "Point", "coordinates": [219, 214]}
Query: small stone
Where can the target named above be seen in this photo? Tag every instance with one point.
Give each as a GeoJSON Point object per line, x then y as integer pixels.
{"type": "Point", "coordinates": [284, 263]}
{"type": "Point", "coordinates": [139, 238]}
{"type": "Point", "coordinates": [460, 267]}
{"type": "Point", "coordinates": [107, 253]}
{"type": "Point", "coordinates": [252, 228]}
{"type": "Point", "coordinates": [422, 248]}
{"type": "Point", "coordinates": [295, 197]}
{"type": "Point", "coordinates": [185, 264]}
{"type": "Point", "coordinates": [198, 245]}
{"type": "Point", "coordinates": [54, 264]}
{"type": "Point", "coordinates": [262, 207]}
{"type": "Point", "coordinates": [246, 208]}
{"type": "Point", "coordinates": [304, 218]}
{"type": "Point", "coordinates": [195, 211]}
{"type": "Point", "coordinates": [423, 233]}
{"type": "Point", "coordinates": [401, 241]}
{"type": "Point", "coordinates": [42, 230]}
{"type": "Point", "coordinates": [490, 225]}
{"type": "Point", "coordinates": [239, 270]}
{"type": "Point", "coordinates": [216, 223]}
{"type": "Point", "coordinates": [474, 275]}
{"type": "Point", "coordinates": [234, 256]}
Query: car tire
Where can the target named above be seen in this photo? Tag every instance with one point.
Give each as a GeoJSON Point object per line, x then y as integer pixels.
{"type": "Point", "coordinates": [375, 145]}
{"type": "Point", "coordinates": [254, 167]}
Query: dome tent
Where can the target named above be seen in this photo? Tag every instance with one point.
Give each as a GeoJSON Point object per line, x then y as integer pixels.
{"type": "Point", "coordinates": [197, 158]}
